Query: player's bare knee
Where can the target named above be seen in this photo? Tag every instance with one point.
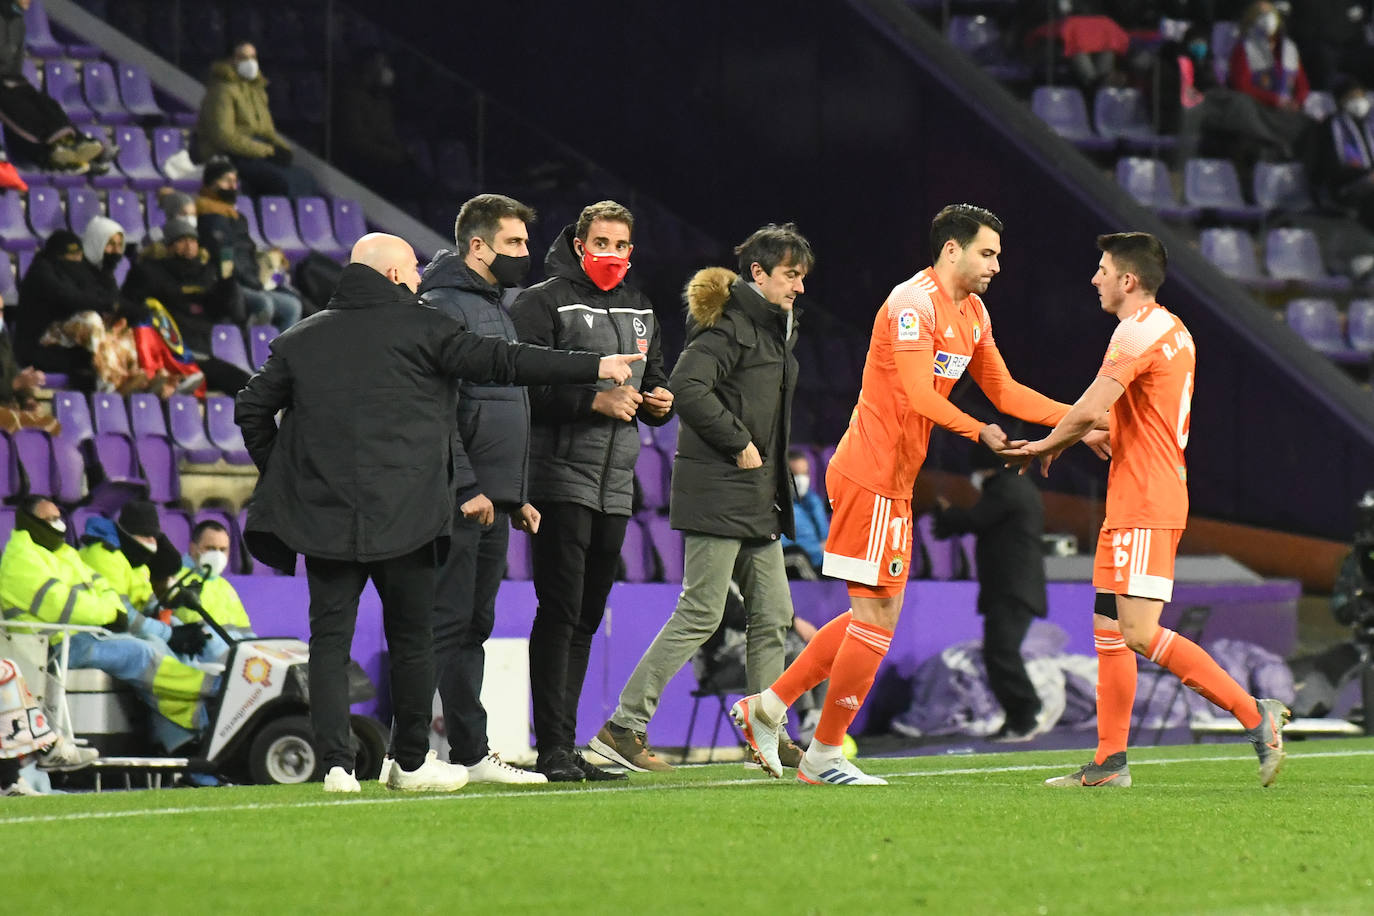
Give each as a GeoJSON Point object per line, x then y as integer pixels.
{"type": "Point", "coordinates": [1138, 635]}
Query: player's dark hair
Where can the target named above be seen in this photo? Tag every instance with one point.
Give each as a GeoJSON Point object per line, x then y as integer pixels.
{"type": "Point", "coordinates": [773, 245]}
{"type": "Point", "coordinates": [961, 223]}
{"type": "Point", "coordinates": [480, 218]}
{"type": "Point", "coordinates": [1137, 253]}
{"type": "Point", "coordinates": [603, 209]}
{"type": "Point", "coordinates": [207, 525]}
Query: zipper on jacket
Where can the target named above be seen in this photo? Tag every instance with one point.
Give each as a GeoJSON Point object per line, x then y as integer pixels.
{"type": "Point", "coordinates": [610, 445]}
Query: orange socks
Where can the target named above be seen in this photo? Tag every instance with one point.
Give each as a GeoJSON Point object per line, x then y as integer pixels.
{"type": "Point", "coordinates": [813, 665]}
{"type": "Point", "coordinates": [1199, 671]}
{"type": "Point", "coordinates": [1115, 692]}
{"type": "Point", "coordinates": [851, 676]}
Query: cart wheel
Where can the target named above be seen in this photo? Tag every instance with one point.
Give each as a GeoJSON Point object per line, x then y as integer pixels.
{"type": "Point", "coordinates": [370, 740]}
{"type": "Point", "coordinates": [284, 753]}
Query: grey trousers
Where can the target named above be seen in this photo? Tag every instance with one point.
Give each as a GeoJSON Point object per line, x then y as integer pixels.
{"type": "Point", "coordinates": [708, 565]}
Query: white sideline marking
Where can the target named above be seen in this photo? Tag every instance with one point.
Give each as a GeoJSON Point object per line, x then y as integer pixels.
{"type": "Point", "coordinates": [342, 801]}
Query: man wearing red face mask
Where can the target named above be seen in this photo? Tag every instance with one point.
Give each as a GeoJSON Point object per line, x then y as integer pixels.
{"type": "Point", "coordinates": [583, 447]}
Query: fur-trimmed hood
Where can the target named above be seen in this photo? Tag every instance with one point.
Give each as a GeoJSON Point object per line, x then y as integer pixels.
{"type": "Point", "coordinates": [707, 292]}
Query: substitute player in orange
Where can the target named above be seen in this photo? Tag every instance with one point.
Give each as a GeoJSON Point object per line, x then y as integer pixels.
{"type": "Point", "coordinates": [1147, 382]}
{"type": "Point", "coordinates": [931, 329]}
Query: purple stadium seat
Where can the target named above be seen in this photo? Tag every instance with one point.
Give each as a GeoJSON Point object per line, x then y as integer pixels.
{"type": "Point", "coordinates": [45, 211]}
{"type": "Point", "coordinates": [312, 215]}
{"type": "Point", "coordinates": [1319, 105]}
{"type": "Point", "coordinates": [669, 546]}
{"type": "Point", "coordinates": [1360, 324]}
{"type": "Point", "coordinates": [224, 432]}
{"type": "Point", "coordinates": [1282, 186]}
{"type": "Point", "coordinates": [1232, 251]}
{"type": "Point", "coordinates": [9, 468]}
{"type": "Point", "coordinates": [6, 524]}
{"type": "Point", "coordinates": [250, 215]}
{"type": "Point", "coordinates": [62, 81]}
{"type": "Point", "coordinates": [980, 38]}
{"type": "Point", "coordinates": [126, 210]}
{"type": "Point", "coordinates": [349, 224]}
{"type": "Point", "coordinates": [70, 467]}
{"type": "Point", "coordinates": [147, 418]}
{"type": "Point", "coordinates": [38, 32]}
{"type": "Point", "coordinates": [33, 449]}
{"type": "Point", "coordinates": [135, 160]}
{"type": "Point", "coordinates": [944, 556]}
{"type": "Point", "coordinates": [1318, 322]}
{"type": "Point", "coordinates": [1120, 114]}
{"type": "Point", "coordinates": [176, 525]}
{"type": "Point", "coordinates": [652, 473]}
{"type": "Point", "coordinates": [1224, 38]}
{"type": "Point", "coordinates": [188, 429]}
{"type": "Point", "coordinates": [137, 92]}
{"type": "Point", "coordinates": [1062, 108]}
{"type": "Point", "coordinates": [117, 458]}
{"type": "Point", "coordinates": [1293, 255]}
{"type": "Point", "coordinates": [635, 554]}
{"type": "Point", "coordinates": [167, 142]}
{"type": "Point", "coordinates": [279, 226]}
{"type": "Point", "coordinates": [518, 563]}
{"type": "Point", "coordinates": [83, 204]}
{"type": "Point", "coordinates": [226, 342]}
{"type": "Point", "coordinates": [74, 413]}
{"type": "Point", "coordinates": [665, 436]}
{"type": "Point", "coordinates": [260, 337]}
{"type": "Point", "coordinates": [14, 228]}
{"type": "Point", "coordinates": [102, 94]}
{"type": "Point", "coordinates": [1214, 185]}
{"type": "Point", "coordinates": [1147, 180]}
{"type": "Point", "coordinates": [110, 414]}
{"type": "Point", "coordinates": [9, 283]}
{"type": "Point", "coordinates": [159, 465]}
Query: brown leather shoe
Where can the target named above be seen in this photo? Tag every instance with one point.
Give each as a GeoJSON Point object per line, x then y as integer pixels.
{"type": "Point", "coordinates": [627, 748]}
{"type": "Point", "coordinates": [789, 753]}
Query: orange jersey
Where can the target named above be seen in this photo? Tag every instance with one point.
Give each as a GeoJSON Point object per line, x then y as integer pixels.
{"type": "Point", "coordinates": [922, 344]}
{"type": "Point", "coordinates": [1152, 355]}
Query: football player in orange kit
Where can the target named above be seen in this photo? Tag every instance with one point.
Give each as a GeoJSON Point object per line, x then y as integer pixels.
{"type": "Point", "coordinates": [1146, 381]}
{"type": "Point", "coordinates": [932, 328]}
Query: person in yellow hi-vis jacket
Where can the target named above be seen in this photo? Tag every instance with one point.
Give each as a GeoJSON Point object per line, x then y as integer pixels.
{"type": "Point", "coordinates": [43, 579]}
{"type": "Point", "coordinates": [208, 555]}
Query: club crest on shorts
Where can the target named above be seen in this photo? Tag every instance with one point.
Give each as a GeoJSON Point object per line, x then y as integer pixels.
{"type": "Point", "coordinates": [894, 568]}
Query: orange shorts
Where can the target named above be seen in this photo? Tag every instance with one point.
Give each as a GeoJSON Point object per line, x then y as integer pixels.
{"type": "Point", "coordinates": [870, 539]}
{"type": "Point", "coordinates": [1137, 562]}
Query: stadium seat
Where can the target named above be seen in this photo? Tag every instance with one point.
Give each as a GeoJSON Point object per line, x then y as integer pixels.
{"type": "Point", "coordinates": [1214, 185]}
{"type": "Point", "coordinates": [69, 469]}
{"type": "Point", "coordinates": [176, 525]}
{"type": "Point", "coordinates": [83, 204]}
{"type": "Point", "coordinates": [635, 554]}
{"type": "Point", "coordinates": [74, 413]}
{"type": "Point", "coordinates": [62, 81]}
{"type": "Point", "coordinates": [1360, 324]}
{"type": "Point", "coordinates": [279, 226]}
{"type": "Point", "coordinates": [349, 224]}
{"type": "Point", "coordinates": [1224, 37]}
{"type": "Point", "coordinates": [1147, 180]}
{"type": "Point", "coordinates": [1063, 109]}
{"type": "Point", "coordinates": [102, 93]}
{"type": "Point", "coordinates": [156, 218]}
{"type": "Point", "coordinates": [45, 211]}
{"type": "Point", "coordinates": [6, 523]}
{"type": "Point", "coordinates": [15, 234]}
{"type": "Point", "coordinates": [167, 142]}
{"type": "Point", "coordinates": [109, 414]}
{"type": "Point", "coordinates": [250, 215]}
{"type": "Point", "coordinates": [980, 38]}
{"type": "Point", "coordinates": [260, 337]}
{"type": "Point", "coordinates": [10, 484]}
{"type": "Point", "coordinates": [146, 417]}
{"type": "Point", "coordinates": [158, 462]}
{"type": "Point", "coordinates": [226, 342]}
{"type": "Point", "coordinates": [1318, 322]}
{"type": "Point", "coordinates": [126, 210]}
{"type": "Point", "coordinates": [519, 566]}
{"type": "Point", "coordinates": [188, 429]}
{"type": "Point", "coordinates": [1233, 253]}
{"type": "Point", "coordinates": [1319, 105]}
{"type": "Point", "coordinates": [1282, 186]}
{"type": "Point", "coordinates": [136, 90]}
{"type": "Point", "coordinates": [135, 160]}
{"type": "Point", "coordinates": [33, 450]}
{"type": "Point", "coordinates": [652, 473]}
{"type": "Point", "coordinates": [312, 216]}
{"type": "Point", "coordinates": [39, 37]}
{"type": "Point", "coordinates": [1293, 255]}
{"type": "Point", "coordinates": [669, 546]}
{"type": "Point", "coordinates": [1120, 114]}
{"type": "Point", "coordinates": [223, 432]}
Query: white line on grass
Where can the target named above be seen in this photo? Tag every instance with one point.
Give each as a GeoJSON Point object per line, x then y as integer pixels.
{"type": "Point", "coordinates": [640, 787]}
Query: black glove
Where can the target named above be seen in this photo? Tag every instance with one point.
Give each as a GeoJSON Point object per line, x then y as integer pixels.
{"type": "Point", "coordinates": [187, 639]}
{"type": "Point", "coordinates": [120, 624]}
{"type": "Point", "coordinates": [280, 156]}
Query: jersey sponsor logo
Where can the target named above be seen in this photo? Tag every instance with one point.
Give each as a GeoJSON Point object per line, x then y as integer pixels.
{"type": "Point", "coordinates": [641, 329]}
{"type": "Point", "coordinates": [908, 326]}
{"type": "Point", "coordinates": [950, 365]}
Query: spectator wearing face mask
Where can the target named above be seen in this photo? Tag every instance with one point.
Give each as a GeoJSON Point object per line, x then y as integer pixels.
{"type": "Point", "coordinates": [235, 121]}
{"type": "Point", "coordinates": [174, 205]}
{"type": "Point", "coordinates": [804, 554]}
{"type": "Point", "coordinates": [1344, 166]}
{"type": "Point", "coordinates": [208, 557]}
{"type": "Point", "coordinates": [1266, 66]}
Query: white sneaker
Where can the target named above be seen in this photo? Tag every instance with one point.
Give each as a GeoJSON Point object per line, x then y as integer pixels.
{"type": "Point", "coordinates": [761, 735]}
{"type": "Point", "coordinates": [388, 761]}
{"type": "Point", "coordinates": [492, 768]}
{"type": "Point", "coordinates": [434, 775]}
{"type": "Point", "coordinates": [19, 787]}
{"type": "Point", "coordinates": [340, 780]}
{"type": "Point", "coordinates": [835, 771]}
{"type": "Point", "coordinates": [65, 754]}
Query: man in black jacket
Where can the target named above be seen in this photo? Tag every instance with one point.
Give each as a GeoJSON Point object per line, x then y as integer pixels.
{"type": "Point", "coordinates": [358, 479]}
{"type": "Point", "coordinates": [1009, 519]}
{"type": "Point", "coordinates": [732, 492]}
{"type": "Point", "coordinates": [583, 448]}
{"type": "Point", "coordinates": [492, 454]}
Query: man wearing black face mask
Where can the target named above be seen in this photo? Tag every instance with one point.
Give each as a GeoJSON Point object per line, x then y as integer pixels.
{"type": "Point", "coordinates": [491, 457]}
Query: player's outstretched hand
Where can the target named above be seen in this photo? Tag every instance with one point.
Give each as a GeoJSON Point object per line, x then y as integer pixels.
{"type": "Point", "coordinates": [1100, 441]}
{"type": "Point", "coordinates": [1023, 455]}
{"type": "Point", "coordinates": [993, 437]}
{"type": "Point", "coordinates": [617, 366]}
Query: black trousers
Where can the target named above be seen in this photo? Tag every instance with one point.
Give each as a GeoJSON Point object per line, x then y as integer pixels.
{"type": "Point", "coordinates": [576, 555]}
{"type": "Point", "coordinates": [464, 613]}
{"type": "Point", "coordinates": [262, 176]}
{"type": "Point", "coordinates": [32, 120]}
{"type": "Point", "coordinates": [406, 587]}
{"type": "Point", "coordinates": [1004, 628]}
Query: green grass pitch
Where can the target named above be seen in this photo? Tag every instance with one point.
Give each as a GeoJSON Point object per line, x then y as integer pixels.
{"type": "Point", "coordinates": [958, 834]}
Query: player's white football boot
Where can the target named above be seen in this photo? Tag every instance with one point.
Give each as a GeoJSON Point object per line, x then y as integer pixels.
{"type": "Point", "coordinates": [760, 734]}
{"type": "Point", "coordinates": [834, 771]}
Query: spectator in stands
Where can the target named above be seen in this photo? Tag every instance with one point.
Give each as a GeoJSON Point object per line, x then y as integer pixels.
{"type": "Point", "coordinates": [235, 121]}
{"type": "Point", "coordinates": [173, 204]}
{"type": "Point", "coordinates": [45, 578]}
{"type": "Point", "coordinates": [731, 490]}
{"type": "Point", "coordinates": [583, 447]}
{"type": "Point", "coordinates": [19, 408]}
{"type": "Point", "coordinates": [805, 554]}
{"type": "Point", "coordinates": [1009, 520]}
{"type": "Point", "coordinates": [1343, 168]}
{"type": "Point", "coordinates": [36, 127]}
{"type": "Point", "coordinates": [206, 559]}
{"type": "Point", "coordinates": [1330, 35]}
{"type": "Point", "coordinates": [196, 292]}
{"type": "Point", "coordinates": [223, 232]}
{"type": "Point", "coordinates": [491, 457]}
{"type": "Point", "coordinates": [367, 143]}
{"type": "Point", "coordinates": [1266, 66]}
{"type": "Point", "coordinates": [1091, 43]}
{"type": "Point", "coordinates": [26, 732]}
